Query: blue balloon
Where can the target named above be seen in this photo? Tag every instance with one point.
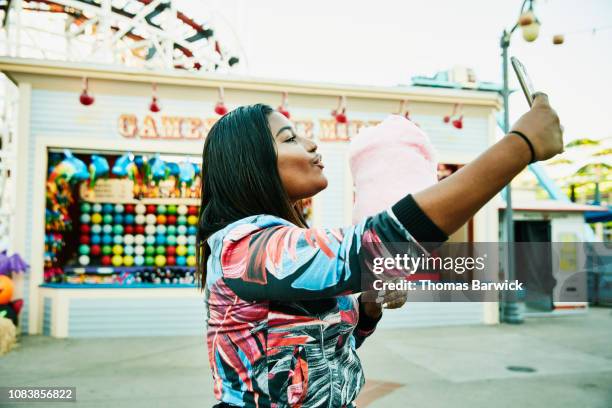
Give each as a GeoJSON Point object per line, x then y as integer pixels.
{"type": "Point", "coordinates": [173, 169]}
{"type": "Point", "coordinates": [96, 239]}
{"type": "Point", "coordinates": [160, 239]}
{"type": "Point", "coordinates": [158, 167]}
{"type": "Point", "coordinates": [107, 239]}
{"type": "Point", "coordinates": [192, 230]}
{"type": "Point", "coordinates": [80, 168]}
{"type": "Point", "coordinates": [118, 219]}
{"type": "Point", "coordinates": [108, 208]}
{"type": "Point", "coordinates": [121, 165]}
{"type": "Point", "coordinates": [129, 219]}
{"type": "Point", "coordinates": [187, 172]}
{"type": "Point", "coordinates": [98, 167]}
{"type": "Point", "coordinates": [181, 260]}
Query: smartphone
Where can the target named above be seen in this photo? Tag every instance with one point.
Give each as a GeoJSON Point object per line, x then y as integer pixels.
{"type": "Point", "coordinates": [524, 79]}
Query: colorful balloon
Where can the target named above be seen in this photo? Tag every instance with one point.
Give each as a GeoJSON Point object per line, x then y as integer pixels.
{"type": "Point", "coordinates": [160, 260]}
{"type": "Point", "coordinates": [96, 218]}
{"type": "Point", "coordinates": [128, 260]}
{"type": "Point", "coordinates": [191, 261]}
{"type": "Point", "coordinates": [117, 260]}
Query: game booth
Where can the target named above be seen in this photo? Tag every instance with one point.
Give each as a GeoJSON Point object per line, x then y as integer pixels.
{"type": "Point", "coordinates": [109, 175]}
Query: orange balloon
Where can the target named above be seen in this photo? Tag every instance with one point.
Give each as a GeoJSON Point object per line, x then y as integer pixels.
{"type": "Point", "coordinates": [6, 289]}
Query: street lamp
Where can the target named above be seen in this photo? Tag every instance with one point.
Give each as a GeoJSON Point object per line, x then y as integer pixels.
{"type": "Point", "coordinates": [530, 26]}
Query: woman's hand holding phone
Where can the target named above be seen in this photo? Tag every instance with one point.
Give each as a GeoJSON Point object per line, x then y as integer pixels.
{"type": "Point", "coordinates": [541, 125]}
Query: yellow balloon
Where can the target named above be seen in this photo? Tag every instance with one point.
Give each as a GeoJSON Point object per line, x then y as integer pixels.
{"type": "Point", "coordinates": [191, 260]}
{"type": "Point", "coordinates": [117, 260]}
{"type": "Point", "coordinates": [128, 260]}
{"type": "Point", "coordinates": [117, 249]}
{"type": "Point", "coordinates": [181, 250]}
{"type": "Point", "coordinates": [96, 218]}
{"type": "Point", "coordinates": [191, 220]}
{"type": "Point", "coordinates": [160, 260]}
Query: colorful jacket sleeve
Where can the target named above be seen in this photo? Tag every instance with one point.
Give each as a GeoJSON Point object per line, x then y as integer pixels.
{"type": "Point", "coordinates": [268, 258]}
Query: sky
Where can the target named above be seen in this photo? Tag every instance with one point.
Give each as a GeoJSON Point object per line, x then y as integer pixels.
{"type": "Point", "coordinates": [386, 42]}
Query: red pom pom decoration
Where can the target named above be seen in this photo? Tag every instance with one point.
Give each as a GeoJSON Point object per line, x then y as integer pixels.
{"type": "Point", "coordinates": [458, 123]}
{"type": "Point", "coordinates": [220, 109]}
{"type": "Point", "coordinates": [154, 106]}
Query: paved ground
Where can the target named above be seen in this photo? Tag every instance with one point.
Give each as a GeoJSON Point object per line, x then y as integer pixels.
{"type": "Point", "coordinates": [435, 367]}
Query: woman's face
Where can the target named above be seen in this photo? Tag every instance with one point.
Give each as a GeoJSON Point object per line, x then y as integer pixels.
{"type": "Point", "coordinates": [299, 164]}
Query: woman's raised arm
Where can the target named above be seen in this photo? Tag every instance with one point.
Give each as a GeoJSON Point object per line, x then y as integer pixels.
{"type": "Point", "coordinates": [453, 201]}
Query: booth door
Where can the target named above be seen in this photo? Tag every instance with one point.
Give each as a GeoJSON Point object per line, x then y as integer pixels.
{"type": "Point", "coordinates": [534, 263]}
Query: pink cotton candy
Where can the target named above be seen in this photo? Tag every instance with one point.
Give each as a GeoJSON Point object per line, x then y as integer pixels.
{"type": "Point", "coordinates": [388, 161]}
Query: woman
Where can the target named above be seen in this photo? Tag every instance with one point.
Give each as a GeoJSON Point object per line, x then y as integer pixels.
{"type": "Point", "coordinates": [283, 325]}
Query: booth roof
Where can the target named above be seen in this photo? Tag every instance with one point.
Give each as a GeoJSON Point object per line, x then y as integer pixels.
{"type": "Point", "coordinates": [18, 68]}
{"type": "Point", "coordinates": [552, 205]}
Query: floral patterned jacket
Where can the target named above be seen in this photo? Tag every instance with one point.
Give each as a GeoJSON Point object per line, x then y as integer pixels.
{"type": "Point", "coordinates": [283, 320]}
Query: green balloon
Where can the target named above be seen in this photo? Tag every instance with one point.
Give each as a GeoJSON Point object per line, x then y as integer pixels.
{"type": "Point", "coordinates": [149, 260]}
{"type": "Point", "coordinates": [170, 230]}
{"type": "Point", "coordinates": [84, 249]}
{"type": "Point", "coordinates": [108, 219]}
{"type": "Point", "coordinates": [171, 209]}
{"type": "Point", "coordinates": [182, 220]}
{"type": "Point", "coordinates": [107, 250]}
{"type": "Point", "coordinates": [160, 250]}
{"type": "Point", "coordinates": [149, 250]}
{"type": "Point", "coordinates": [85, 207]}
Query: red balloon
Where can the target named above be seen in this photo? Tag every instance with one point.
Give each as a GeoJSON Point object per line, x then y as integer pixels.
{"type": "Point", "coordinates": [170, 251]}
{"type": "Point", "coordinates": [128, 208]}
{"type": "Point", "coordinates": [106, 260]}
{"type": "Point", "coordinates": [192, 210]}
{"type": "Point", "coordinates": [96, 250]}
{"type": "Point", "coordinates": [84, 239]}
{"type": "Point", "coordinates": [151, 209]}
{"type": "Point", "coordinates": [85, 229]}
{"type": "Point", "coordinates": [171, 219]}
{"type": "Point", "coordinates": [139, 229]}
{"type": "Point", "coordinates": [128, 229]}
{"type": "Point", "coordinates": [170, 260]}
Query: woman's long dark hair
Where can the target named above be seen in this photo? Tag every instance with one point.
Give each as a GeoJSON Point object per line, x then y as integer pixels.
{"type": "Point", "coordinates": [240, 177]}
